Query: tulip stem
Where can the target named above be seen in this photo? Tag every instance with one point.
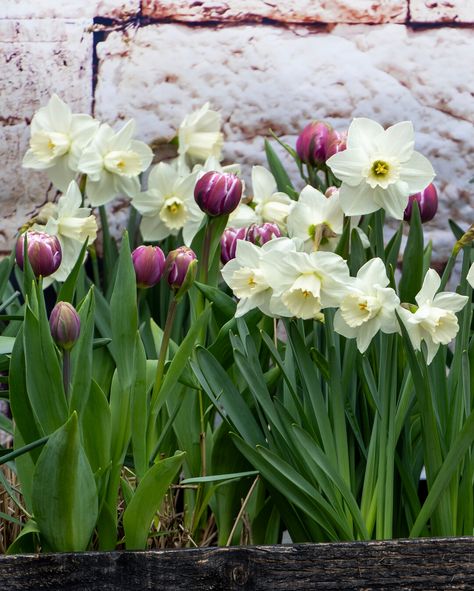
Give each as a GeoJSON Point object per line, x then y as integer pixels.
{"type": "Point", "coordinates": [66, 371]}
{"type": "Point", "coordinates": [205, 253]}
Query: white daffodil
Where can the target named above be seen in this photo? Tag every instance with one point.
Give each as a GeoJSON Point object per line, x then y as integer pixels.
{"type": "Point", "coordinates": [112, 162]}
{"type": "Point", "coordinates": [57, 140]}
{"type": "Point", "coordinates": [315, 219]}
{"type": "Point", "coordinates": [244, 274]}
{"type": "Point", "coordinates": [379, 168]}
{"type": "Point", "coordinates": [435, 321]}
{"type": "Point", "coordinates": [200, 135]}
{"type": "Point", "coordinates": [470, 276]}
{"type": "Point", "coordinates": [71, 223]}
{"type": "Point", "coordinates": [243, 216]}
{"type": "Point", "coordinates": [368, 306]}
{"type": "Point", "coordinates": [305, 283]}
{"type": "Point", "coordinates": [168, 205]}
{"type": "Point", "coordinates": [271, 205]}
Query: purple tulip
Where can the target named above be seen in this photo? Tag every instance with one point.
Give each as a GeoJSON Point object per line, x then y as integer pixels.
{"type": "Point", "coordinates": [229, 243]}
{"type": "Point", "coordinates": [427, 204]}
{"type": "Point", "coordinates": [259, 234]}
{"type": "Point", "coordinates": [337, 142]}
{"type": "Point", "coordinates": [312, 142]}
{"type": "Point", "coordinates": [44, 252]}
{"type": "Point", "coordinates": [65, 325]}
{"type": "Point", "coordinates": [180, 267]}
{"type": "Point", "coordinates": [149, 264]}
{"type": "Point", "coordinates": [218, 193]}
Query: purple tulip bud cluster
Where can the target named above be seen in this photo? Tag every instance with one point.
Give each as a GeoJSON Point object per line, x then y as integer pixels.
{"type": "Point", "coordinates": [257, 234]}
{"type": "Point", "coordinates": [65, 325]}
{"type": "Point", "coordinates": [151, 265]}
{"type": "Point", "coordinates": [218, 193]}
{"type": "Point", "coordinates": [427, 203]}
{"type": "Point", "coordinates": [319, 141]}
{"type": "Point", "coordinates": [43, 250]}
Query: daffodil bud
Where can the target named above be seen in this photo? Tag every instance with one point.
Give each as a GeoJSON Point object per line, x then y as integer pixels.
{"type": "Point", "coordinates": [311, 145]}
{"type": "Point", "coordinates": [218, 193]}
{"type": "Point", "coordinates": [180, 269]}
{"type": "Point", "coordinates": [229, 243]}
{"type": "Point", "coordinates": [427, 204]}
{"type": "Point", "coordinates": [65, 325]}
{"type": "Point", "coordinates": [149, 264]}
{"type": "Point", "coordinates": [337, 142]}
{"type": "Point", "coordinates": [259, 234]}
{"type": "Point", "coordinates": [44, 252]}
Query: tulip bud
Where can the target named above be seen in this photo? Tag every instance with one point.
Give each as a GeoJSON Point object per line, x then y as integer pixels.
{"type": "Point", "coordinates": [218, 193]}
{"type": "Point", "coordinates": [229, 243]}
{"type": "Point", "coordinates": [65, 325]}
{"type": "Point", "coordinates": [149, 264]}
{"type": "Point", "coordinates": [260, 234]}
{"type": "Point", "coordinates": [427, 204]}
{"type": "Point", "coordinates": [311, 144]}
{"type": "Point", "coordinates": [180, 269]}
{"type": "Point", "coordinates": [44, 252]}
{"type": "Point", "coordinates": [337, 142]}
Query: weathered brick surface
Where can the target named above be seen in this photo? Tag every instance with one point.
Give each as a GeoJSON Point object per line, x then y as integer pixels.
{"type": "Point", "coordinates": [22, 9]}
{"type": "Point", "coordinates": [39, 57]}
{"type": "Point", "coordinates": [442, 11]}
{"type": "Point", "coordinates": [296, 11]}
{"type": "Point", "coordinates": [272, 77]}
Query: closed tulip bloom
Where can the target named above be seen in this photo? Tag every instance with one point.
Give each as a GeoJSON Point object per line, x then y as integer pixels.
{"type": "Point", "coordinates": [218, 193]}
{"type": "Point", "coordinates": [312, 142]}
{"type": "Point", "coordinates": [229, 243]}
{"type": "Point", "coordinates": [65, 325]}
{"type": "Point", "coordinates": [149, 264]}
{"type": "Point", "coordinates": [427, 204]}
{"type": "Point", "coordinates": [181, 267]}
{"type": "Point", "coordinates": [44, 252]}
{"type": "Point", "coordinates": [260, 234]}
{"type": "Point", "coordinates": [336, 143]}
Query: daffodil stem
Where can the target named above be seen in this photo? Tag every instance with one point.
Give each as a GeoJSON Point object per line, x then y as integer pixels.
{"type": "Point", "coordinates": [159, 374]}
{"type": "Point", "coordinates": [66, 372]}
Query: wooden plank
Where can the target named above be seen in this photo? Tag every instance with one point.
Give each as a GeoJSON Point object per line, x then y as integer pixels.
{"type": "Point", "coordinates": [425, 564]}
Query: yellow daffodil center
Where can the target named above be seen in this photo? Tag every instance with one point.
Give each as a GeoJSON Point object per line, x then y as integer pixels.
{"type": "Point", "coordinates": [174, 213]}
{"type": "Point", "coordinates": [380, 168]}
{"type": "Point", "coordinates": [47, 146]}
{"type": "Point", "coordinates": [123, 162]}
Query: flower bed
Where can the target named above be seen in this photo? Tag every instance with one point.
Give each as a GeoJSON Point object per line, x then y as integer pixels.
{"type": "Point", "coordinates": [286, 369]}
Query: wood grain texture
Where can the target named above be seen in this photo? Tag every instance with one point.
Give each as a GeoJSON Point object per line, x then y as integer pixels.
{"type": "Point", "coordinates": [425, 564]}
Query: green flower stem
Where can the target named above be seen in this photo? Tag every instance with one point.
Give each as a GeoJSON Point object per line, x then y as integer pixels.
{"type": "Point", "coordinates": [159, 374]}
{"type": "Point", "coordinates": [67, 372]}
{"type": "Point", "coordinates": [204, 268]}
{"type": "Point", "coordinates": [106, 246]}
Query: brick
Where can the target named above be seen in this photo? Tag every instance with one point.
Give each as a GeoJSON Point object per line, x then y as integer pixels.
{"type": "Point", "coordinates": [297, 11]}
{"type": "Point", "coordinates": [279, 78]}
{"type": "Point", "coordinates": [39, 57]}
{"type": "Point", "coordinates": [442, 11]}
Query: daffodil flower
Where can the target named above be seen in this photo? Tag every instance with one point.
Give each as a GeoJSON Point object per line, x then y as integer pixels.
{"type": "Point", "coordinates": [379, 168]}
{"type": "Point", "coordinates": [200, 135]}
{"type": "Point", "coordinates": [271, 205]}
{"type": "Point", "coordinates": [303, 284]}
{"type": "Point", "coordinates": [368, 306]}
{"type": "Point", "coordinates": [245, 275]}
{"type": "Point", "coordinates": [315, 219]}
{"type": "Point", "coordinates": [57, 140]}
{"type": "Point", "coordinates": [72, 224]}
{"type": "Point", "coordinates": [112, 162]}
{"type": "Point", "coordinates": [434, 321]}
{"type": "Point", "coordinates": [168, 205]}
